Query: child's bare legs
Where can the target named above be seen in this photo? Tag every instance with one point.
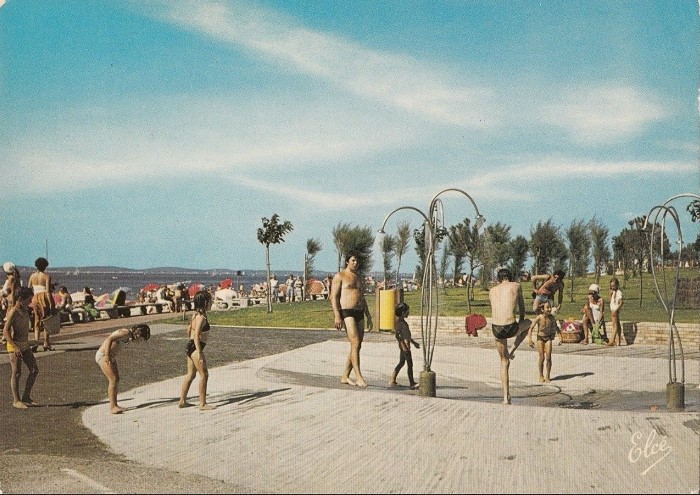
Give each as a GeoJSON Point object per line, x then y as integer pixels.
{"type": "Point", "coordinates": [111, 371]}
{"type": "Point", "coordinates": [587, 318]}
{"type": "Point", "coordinates": [617, 330]}
{"type": "Point", "coordinates": [540, 360]}
{"type": "Point", "coordinates": [548, 360]}
{"type": "Point", "coordinates": [16, 364]}
{"type": "Point", "coordinates": [502, 348]}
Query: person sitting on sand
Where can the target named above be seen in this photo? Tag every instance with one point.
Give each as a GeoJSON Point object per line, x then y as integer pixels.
{"type": "Point", "coordinates": [106, 356]}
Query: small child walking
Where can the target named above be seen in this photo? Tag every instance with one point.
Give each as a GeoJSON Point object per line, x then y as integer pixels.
{"type": "Point", "coordinates": [403, 336]}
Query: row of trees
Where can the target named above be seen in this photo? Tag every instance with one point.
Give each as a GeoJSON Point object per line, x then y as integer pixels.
{"type": "Point", "coordinates": [466, 251]}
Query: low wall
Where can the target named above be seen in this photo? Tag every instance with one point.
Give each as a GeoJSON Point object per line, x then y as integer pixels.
{"type": "Point", "coordinates": [645, 333]}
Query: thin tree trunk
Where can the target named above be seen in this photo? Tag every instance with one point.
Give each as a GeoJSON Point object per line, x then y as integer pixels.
{"type": "Point", "coordinates": [269, 296]}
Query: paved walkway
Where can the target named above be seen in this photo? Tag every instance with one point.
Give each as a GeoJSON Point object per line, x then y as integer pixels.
{"type": "Point", "coordinates": [285, 424]}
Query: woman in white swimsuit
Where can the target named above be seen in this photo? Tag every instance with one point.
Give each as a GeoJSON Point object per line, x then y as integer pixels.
{"type": "Point", "coordinates": [106, 358]}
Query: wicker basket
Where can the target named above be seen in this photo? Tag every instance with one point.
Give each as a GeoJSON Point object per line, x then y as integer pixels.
{"type": "Point", "coordinates": [571, 337]}
{"type": "Point", "coordinates": [571, 332]}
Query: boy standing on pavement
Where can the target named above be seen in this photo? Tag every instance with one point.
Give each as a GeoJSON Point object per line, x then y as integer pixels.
{"type": "Point", "coordinates": [349, 311]}
{"type": "Point", "coordinates": [16, 334]}
{"type": "Point", "coordinates": [504, 298]}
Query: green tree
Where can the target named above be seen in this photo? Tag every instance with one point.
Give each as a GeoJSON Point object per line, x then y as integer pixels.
{"type": "Point", "coordinates": [546, 247]}
{"type": "Point", "coordinates": [496, 250]}
{"type": "Point", "coordinates": [313, 247]}
{"type": "Point", "coordinates": [456, 248]}
{"type": "Point", "coordinates": [272, 232]}
{"type": "Point", "coordinates": [421, 249]}
{"type": "Point", "coordinates": [464, 242]}
{"type": "Point", "coordinates": [387, 246]}
{"type": "Point", "coordinates": [403, 236]}
{"type": "Point", "coordinates": [579, 252]}
{"type": "Point", "coordinates": [444, 261]}
{"type": "Point", "coordinates": [599, 242]}
{"type": "Point", "coordinates": [519, 248]}
{"type": "Point", "coordinates": [341, 239]}
{"type": "Point", "coordinates": [361, 240]}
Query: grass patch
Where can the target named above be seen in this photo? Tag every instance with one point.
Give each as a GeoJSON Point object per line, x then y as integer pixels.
{"type": "Point", "coordinates": [452, 302]}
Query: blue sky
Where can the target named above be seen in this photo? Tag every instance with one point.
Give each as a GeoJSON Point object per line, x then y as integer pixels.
{"type": "Point", "coordinates": [159, 133]}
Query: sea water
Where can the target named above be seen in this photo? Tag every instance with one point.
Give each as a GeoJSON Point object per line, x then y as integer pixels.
{"type": "Point", "coordinates": [103, 281]}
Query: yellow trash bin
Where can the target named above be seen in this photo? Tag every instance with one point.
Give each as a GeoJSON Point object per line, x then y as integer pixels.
{"type": "Point", "coordinates": [387, 300]}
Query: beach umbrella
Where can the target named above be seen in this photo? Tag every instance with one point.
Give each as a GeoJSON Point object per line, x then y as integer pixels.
{"type": "Point", "coordinates": [225, 283]}
{"type": "Point", "coordinates": [150, 287]}
{"type": "Point", "coordinates": [194, 288]}
{"type": "Point", "coordinates": [226, 295]}
{"type": "Point", "coordinates": [314, 287]}
{"type": "Point", "coordinates": [103, 300]}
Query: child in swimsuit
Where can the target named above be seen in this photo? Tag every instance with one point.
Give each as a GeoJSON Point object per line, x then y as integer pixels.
{"type": "Point", "coordinates": [105, 357]}
{"type": "Point", "coordinates": [403, 336]}
{"type": "Point", "coordinates": [547, 329]}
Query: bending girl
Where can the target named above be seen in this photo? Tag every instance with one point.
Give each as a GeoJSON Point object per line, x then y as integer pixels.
{"type": "Point", "coordinates": [106, 358]}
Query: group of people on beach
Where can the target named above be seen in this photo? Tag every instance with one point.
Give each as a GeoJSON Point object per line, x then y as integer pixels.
{"type": "Point", "coordinates": [508, 321]}
{"type": "Point", "coordinates": [350, 311]}
{"type": "Point", "coordinates": [17, 303]}
{"type": "Point", "coordinates": [507, 297]}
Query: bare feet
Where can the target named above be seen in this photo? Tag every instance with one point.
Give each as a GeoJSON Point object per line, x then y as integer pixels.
{"type": "Point", "coordinates": [540, 379]}
{"type": "Point", "coordinates": [117, 410]}
{"type": "Point", "coordinates": [584, 342]}
{"type": "Point", "coordinates": [184, 404]}
{"type": "Point", "coordinates": [506, 401]}
{"type": "Point", "coordinates": [30, 402]}
{"type": "Point", "coordinates": [348, 381]}
{"type": "Point", "coordinates": [361, 383]}
{"type": "Point", "coordinates": [547, 380]}
{"type": "Point", "coordinates": [414, 386]}
{"type": "Point", "coordinates": [206, 407]}
{"type": "Point", "coordinates": [19, 404]}
{"type": "Point", "coordinates": [392, 383]}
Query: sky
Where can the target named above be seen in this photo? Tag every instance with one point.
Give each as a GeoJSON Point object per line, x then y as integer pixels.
{"type": "Point", "coordinates": [159, 133]}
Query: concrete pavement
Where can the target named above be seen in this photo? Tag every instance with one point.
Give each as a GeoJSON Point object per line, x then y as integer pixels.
{"type": "Point", "coordinates": [285, 424]}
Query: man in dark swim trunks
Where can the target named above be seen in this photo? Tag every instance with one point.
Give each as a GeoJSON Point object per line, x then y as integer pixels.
{"type": "Point", "coordinates": [349, 310]}
{"type": "Point", "coordinates": [504, 297]}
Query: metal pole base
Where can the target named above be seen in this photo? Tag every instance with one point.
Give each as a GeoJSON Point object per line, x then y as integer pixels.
{"type": "Point", "coordinates": [426, 385]}
{"type": "Point", "coordinates": [675, 396]}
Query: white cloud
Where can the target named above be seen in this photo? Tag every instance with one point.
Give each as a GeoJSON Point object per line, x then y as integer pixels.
{"type": "Point", "coordinates": [393, 80]}
{"type": "Point", "coordinates": [603, 114]}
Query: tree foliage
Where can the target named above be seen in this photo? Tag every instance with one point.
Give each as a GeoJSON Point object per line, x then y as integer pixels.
{"type": "Point", "coordinates": [547, 248]}
{"type": "Point", "coordinates": [496, 250]}
{"type": "Point", "coordinates": [313, 247]}
{"type": "Point", "coordinates": [387, 246]}
{"type": "Point", "coordinates": [403, 236]}
{"type": "Point", "coordinates": [272, 232]}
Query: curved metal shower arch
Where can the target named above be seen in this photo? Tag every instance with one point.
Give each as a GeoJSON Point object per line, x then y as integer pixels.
{"type": "Point", "coordinates": [663, 211]}
{"type": "Point", "coordinates": [429, 295]}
